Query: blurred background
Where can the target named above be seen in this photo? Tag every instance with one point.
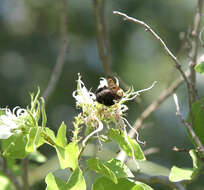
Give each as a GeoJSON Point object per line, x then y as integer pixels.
{"type": "Point", "coordinates": [30, 34]}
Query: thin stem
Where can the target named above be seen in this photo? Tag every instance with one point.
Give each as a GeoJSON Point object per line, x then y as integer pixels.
{"type": "Point", "coordinates": [102, 37]}
{"type": "Point", "coordinates": [187, 125]}
{"type": "Point", "coordinates": [24, 175]}
{"type": "Point", "coordinates": [194, 47]}
{"type": "Point", "coordinates": [62, 51]}
{"type": "Point", "coordinates": [150, 109]}
{"type": "Point", "coordinates": [84, 142]}
{"type": "Point", "coordinates": [10, 175]}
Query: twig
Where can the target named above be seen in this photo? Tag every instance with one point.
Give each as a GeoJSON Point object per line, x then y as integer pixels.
{"type": "Point", "coordinates": [25, 173]}
{"type": "Point", "coordinates": [177, 63]}
{"type": "Point", "coordinates": [159, 179]}
{"type": "Point", "coordinates": [194, 48]}
{"type": "Point", "coordinates": [187, 125]}
{"type": "Point", "coordinates": [10, 175]}
{"type": "Point", "coordinates": [100, 128]}
{"type": "Point", "coordinates": [150, 109]}
{"type": "Point", "coordinates": [102, 37]}
{"type": "Point", "coordinates": [62, 51]}
{"type": "Point", "coordinates": [155, 35]}
{"type": "Point", "coordinates": [151, 150]}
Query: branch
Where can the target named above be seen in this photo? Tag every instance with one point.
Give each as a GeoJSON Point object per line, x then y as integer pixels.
{"type": "Point", "coordinates": [155, 35]}
{"type": "Point", "coordinates": [102, 37]}
{"type": "Point", "coordinates": [187, 125]}
{"type": "Point", "coordinates": [150, 109]}
{"type": "Point", "coordinates": [24, 175]}
{"type": "Point", "coordinates": [173, 57]}
{"type": "Point", "coordinates": [190, 86]}
{"type": "Point", "coordinates": [158, 179]}
{"type": "Point", "coordinates": [194, 47]}
{"type": "Point", "coordinates": [62, 51]}
{"type": "Point", "coordinates": [10, 175]}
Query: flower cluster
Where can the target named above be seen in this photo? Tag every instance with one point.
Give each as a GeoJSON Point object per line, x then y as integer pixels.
{"type": "Point", "coordinates": [95, 114]}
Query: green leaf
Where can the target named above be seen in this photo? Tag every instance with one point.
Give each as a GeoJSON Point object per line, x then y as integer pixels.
{"type": "Point", "coordinates": [179, 174]}
{"type": "Point", "coordinates": [197, 164]}
{"type": "Point", "coordinates": [37, 157]}
{"type": "Point", "coordinates": [123, 183]}
{"type": "Point", "coordinates": [196, 161]}
{"type": "Point", "coordinates": [96, 165]}
{"type": "Point", "coordinates": [68, 156]}
{"type": "Point", "coordinates": [14, 147]}
{"type": "Point", "coordinates": [61, 139]}
{"type": "Point", "coordinates": [143, 185]}
{"type": "Point", "coordinates": [200, 67]}
{"type": "Point", "coordinates": [5, 182]}
{"type": "Point", "coordinates": [198, 120]}
{"type": "Point", "coordinates": [54, 183]}
{"type": "Point", "coordinates": [33, 139]}
{"type": "Point", "coordinates": [119, 138]}
{"type": "Point", "coordinates": [49, 136]}
{"type": "Point", "coordinates": [118, 168]}
{"type": "Point", "coordinates": [76, 181]}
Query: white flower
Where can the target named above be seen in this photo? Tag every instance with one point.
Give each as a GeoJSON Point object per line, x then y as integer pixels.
{"type": "Point", "coordinates": [11, 121]}
{"type": "Point", "coordinates": [82, 95]}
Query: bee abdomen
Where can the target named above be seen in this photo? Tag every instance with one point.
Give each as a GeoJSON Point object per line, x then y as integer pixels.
{"type": "Point", "coordinates": [105, 96]}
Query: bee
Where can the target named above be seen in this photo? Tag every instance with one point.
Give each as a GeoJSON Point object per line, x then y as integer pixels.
{"type": "Point", "coordinates": [108, 91]}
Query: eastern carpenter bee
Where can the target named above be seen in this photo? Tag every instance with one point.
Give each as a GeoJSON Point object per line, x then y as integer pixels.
{"type": "Point", "coordinates": [108, 91]}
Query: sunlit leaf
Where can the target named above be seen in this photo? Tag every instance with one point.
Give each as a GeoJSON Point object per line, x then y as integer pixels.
{"type": "Point", "coordinates": [97, 165]}
{"type": "Point", "coordinates": [179, 174]}
{"type": "Point", "coordinates": [33, 139]}
{"type": "Point", "coordinates": [76, 181]}
{"type": "Point", "coordinates": [5, 183]}
{"type": "Point", "coordinates": [54, 183]}
{"type": "Point", "coordinates": [14, 147]}
{"type": "Point", "coordinates": [119, 138]}
{"type": "Point", "coordinates": [104, 183]}
{"type": "Point", "coordinates": [118, 168]}
{"type": "Point", "coordinates": [198, 120]}
{"type": "Point", "coordinates": [68, 156]}
{"type": "Point", "coordinates": [200, 67]}
{"type": "Point", "coordinates": [61, 139]}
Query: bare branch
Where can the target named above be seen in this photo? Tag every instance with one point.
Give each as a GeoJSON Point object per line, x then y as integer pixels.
{"type": "Point", "coordinates": [190, 87]}
{"type": "Point", "coordinates": [10, 175]}
{"type": "Point", "coordinates": [150, 109]}
{"type": "Point", "coordinates": [62, 51]}
{"type": "Point", "coordinates": [177, 63]}
{"type": "Point", "coordinates": [155, 35]}
{"type": "Point", "coordinates": [194, 48]}
{"type": "Point", "coordinates": [102, 37]}
{"type": "Point", "coordinates": [24, 175]}
{"type": "Point", "coordinates": [159, 179]}
{"type": "Point", "coordinates": [187, 125]}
